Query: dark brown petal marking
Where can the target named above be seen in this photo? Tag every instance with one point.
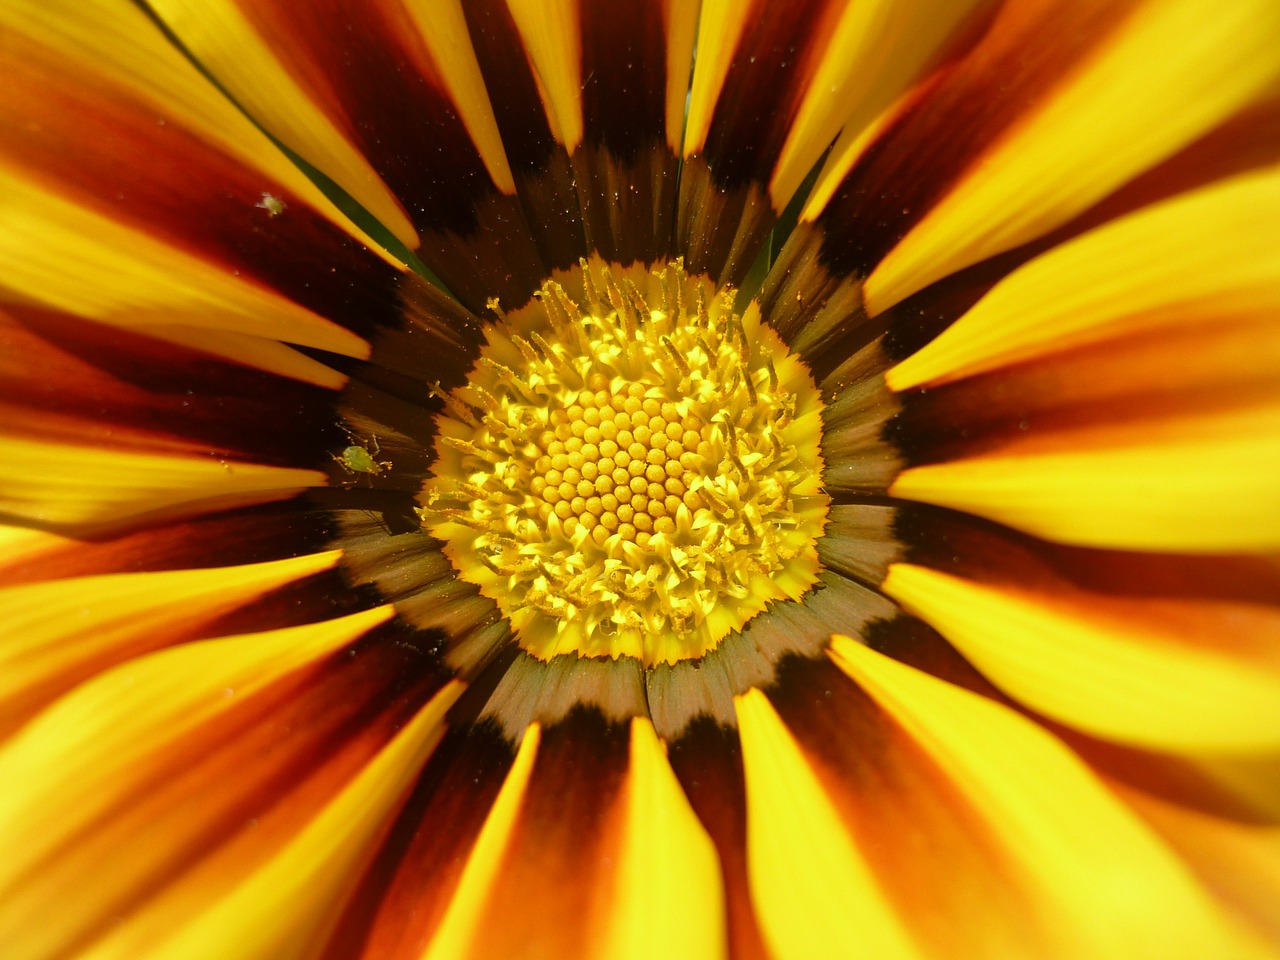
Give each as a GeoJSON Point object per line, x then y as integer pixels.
{"type": "Point", "coordinates": [707, 759]}
{"type": "Point", "coordinates": [624, 76]}
{"type": "Point", "coordinates": [917, 158]}
{"type": "Point", "coordinates": [915, 643]}
{"type": "Point", "coordinates": [775, 57]}
{"type": "Point", "coordinates": [403, 896]}
{"type": "Point", "coordinates": [821, 317]}
{"type": "Point", "coordinates": [409, 570]}
{"type": "Point", "coordinates": [437, 341]}
{"type": "Point", "coordinates": [725, 211]}
{"type": "Point", "coordinates": [616, 194]}
{"type": "Point", "coordinates": [859, 461]}
{"type": "Point", "coordinates": [540, 166]}
{"type": "Point", "coordinates": [364, 65]}
{"type": "Point", "coordinates": [83, 382]}
{"type": "Point", "coordinates": [525, 689]}
{"type": "Point", "coordinates": [626, 173]}
{"type": "Point", "coordinates": [103, 148]}
{"type": "Point", "coordinates": [628, 204]}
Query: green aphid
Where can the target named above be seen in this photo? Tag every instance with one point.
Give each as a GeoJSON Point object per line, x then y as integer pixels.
{"type": "Point", "coordinates": [359, 458]}
{"type": "Point", "coordinates": [272, 204]}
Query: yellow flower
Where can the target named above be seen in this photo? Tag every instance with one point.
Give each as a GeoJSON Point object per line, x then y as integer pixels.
{"type": "Point", "coordinates": [639, 479]}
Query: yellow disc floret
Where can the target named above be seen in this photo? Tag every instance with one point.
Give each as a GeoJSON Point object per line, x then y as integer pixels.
{"type": "Point", "coordinates": [635, 473]}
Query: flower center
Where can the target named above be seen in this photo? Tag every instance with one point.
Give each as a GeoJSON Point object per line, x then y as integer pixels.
{"type": "Point", "coordinates": [636, 473]}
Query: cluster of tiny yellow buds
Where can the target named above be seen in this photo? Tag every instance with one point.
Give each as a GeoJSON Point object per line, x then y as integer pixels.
{"type": "Point", "coordinates": [619, 464]}
{"type": "Point", "coordinates": [628, 480]}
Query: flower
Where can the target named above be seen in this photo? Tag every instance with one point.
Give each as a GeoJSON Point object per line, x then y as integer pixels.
{"type": "Point", "coordinates": [950, 323]}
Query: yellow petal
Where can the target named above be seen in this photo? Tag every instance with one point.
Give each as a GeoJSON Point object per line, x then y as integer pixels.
{"type": "Point", "coordinates": [1196, 484]}
{"type": "Point", "coordinates": [226, 44]}
{"type": "Point", "coordinates": [682, 35]}
{"type": "Point", "coordinates": [814, 894]}
{"type": "Point", "coordinates": [669, 900]}
{"type": "Point", "coordinates": [1127, 680]}
{"type": "Point", "coordinates": [20, 543]}
{"type": "Point", "coordinates": [54, 630]}
{"type": "Point", "coordinates": [1238, 859]}
{"type": "Point", "coordinates": [80, 757]}
{"type": "Point", "coordinates": [720, 26]}
{"type": "Point", "coordinates": [286, 908]}
{"type": "Point", "coordinates": [454, 937]}
{"type": "Point", "coordinates": [258, 352]}
{"type": "Point", "coordinates": [1176, 69]}
{"type": "Point", "coordinates": [1196, 258]}
{"type": "Point", "coordinates": [443, 30]}
{"type": "Point", "coordinates": [63, 484]}
{"type": "Point", "coordinates": [123, 277]}
{"type": "Point", "coordinates": [875, 49]}
{"type": "Point", "coordinates": [553, 42]}
{"type": "Point", "coordinates": [1107, 886]}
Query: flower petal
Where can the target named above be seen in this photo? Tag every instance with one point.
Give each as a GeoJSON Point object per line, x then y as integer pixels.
{"type": "Point", "coordinates": [250, 535]}
{"type": "Point", "coordinates": [1118, 670]}
{"type": "Point", "coordinates": [335, 81]}
{"type": "Point", "coordinates": [1198, 482]}
{"type": "Point", "coordinates": [1238, 859]}
{"type": "Point", "coordinates": [872, 52]}
{"type": "Point", "coordinates": [1197, 258]}
{"type": "Point", "coordinates": [1174, 70]}
{"type": "Point", "coordinates": [553, 40]}
{"type": "Point", "coordinates": [1097, 882]}
{"type": "Point", "coordinates": [639, 877]}
{"type": "Point", "coordinates": [62, 632]}
{"type": "Point", "coordinates": [299, 888]}
{"type": "Point", "coordinates": [63, 378]}
{"type": "Point", "coordinates": [125, 278]}
{"type": "Point", "coordinates": [160, 151]}
{"type": "Point", "coordinates": [814, 893]}
{"type": "Point", "coordinates": [668, 900]}
{"type": "Point", "coordinates": [95, 488]}
{"type": "Point", "coordinates": [138, 760]}
{"type": "Point", "coordinates": [407, 889]}
{"type": "Point", "coordinates": [707, 760]}
{"type": "Point", "coordinates": [591, 112]}
{"type": "Point", "coordinates": [224, 41]}
{"type": "Point", "coordinates": [460, 925]}
{"type": "Point", "coordinates": [71, 66]}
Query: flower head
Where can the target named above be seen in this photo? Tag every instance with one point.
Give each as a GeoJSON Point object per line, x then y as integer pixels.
{"type": "Point", "coordinates": [584, 479]}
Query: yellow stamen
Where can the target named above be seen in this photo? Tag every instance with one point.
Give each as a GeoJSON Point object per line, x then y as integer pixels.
{"type": "Point", "coordinates": [621, 487]}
